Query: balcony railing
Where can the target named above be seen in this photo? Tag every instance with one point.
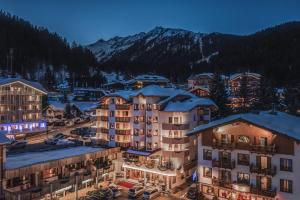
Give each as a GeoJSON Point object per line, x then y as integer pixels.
{"type": "Point", "coordinates": [122, 119]}
{"type": "Point", "coordinates": [103, 130]}
{"type": "Point", "coordinates": [122, 132]}
{"type": "Point", "coordinates": [271, 171]}
{"type": "Point", "coordinates": [104, 106]}
{"type": "Point", "coordinates": [122, 107]}
{"type": "Point", "coordinates": [271, 192]}
{"type": "Point", "coordinates": [223, 164]}
{"type": "Point", "coordinates": [222, 183]}
{"type": "Point", "coordinates": [268, 149]}
{"type": "Point", "coordinates": [166, 126]}
{"type": "Point", "coordinates": [179, 140]}
{"type": "Point", "coordinates": [104, 118]}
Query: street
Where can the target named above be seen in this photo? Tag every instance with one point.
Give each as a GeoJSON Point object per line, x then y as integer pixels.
{"type": "Point", "coordinates": [39, 138]}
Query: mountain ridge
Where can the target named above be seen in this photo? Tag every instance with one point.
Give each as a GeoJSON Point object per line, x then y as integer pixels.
{"type": "Point", "coordinates": [178, 52]}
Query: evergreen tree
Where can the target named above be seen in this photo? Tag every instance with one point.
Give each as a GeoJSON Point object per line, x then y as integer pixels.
{"type": "Point", "coordinates": [292, 98]}
{"type": "Point", "coordinates": [68, 113]}
{"type": "Point", "coordinates": [219, 95]}
{"type": "Point", "coordinates": [265, 95]}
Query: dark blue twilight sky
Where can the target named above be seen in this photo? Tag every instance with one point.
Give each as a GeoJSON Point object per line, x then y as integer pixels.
{"type": "Point", "coordinates": [85, 21]}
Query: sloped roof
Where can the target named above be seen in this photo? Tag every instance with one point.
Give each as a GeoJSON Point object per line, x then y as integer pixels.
{"type": "Point", "coordinates": [155, 90]}
{"type": "Point", "coordinates": [279, 122]}
{"type": "Point", "coordinates": [36, 85]}
{"type": "Point", "coordinates": [187, 104]}
{"type": "Point", "coordinates": [3, 138]}
{"type": "Point", "coordinates": [236, 75]}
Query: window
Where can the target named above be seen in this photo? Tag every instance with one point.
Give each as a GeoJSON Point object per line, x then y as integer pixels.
{"type": "Point", "coordinates": [243, 159]}
{"type": "Point", "coordinates": [111, 125]}
{"type": "Point", "coordinates": [286, 185]}
{"type": "Point", "coordinates": [176, 121]}
{"type": "Point", "coordinates": [136, 106]}
{"type": "Point", "coordinates": [207, 172]}
{"type": "Point", "coordinates": [243, 178]}
{"type": "Point", "coordinates": [207, 154]}
{"type": "Point", "coordinates": [286, 164]}
{"type": "Point", "coordinates": [243, 139]}
{"type": "Point", "coordinates": [170, 120]}
{"type": "Point", "coordinates": [263, 141]}
{"type": "Point", "coordinates": [112, 113]}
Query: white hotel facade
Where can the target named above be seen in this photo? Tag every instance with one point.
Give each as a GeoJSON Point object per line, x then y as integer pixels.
{"type": "Point", "coordinates": [151, 126]}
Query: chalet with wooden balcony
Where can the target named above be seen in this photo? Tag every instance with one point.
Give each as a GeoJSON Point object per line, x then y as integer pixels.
{"type": "Point", "coordinates": [250, 156]}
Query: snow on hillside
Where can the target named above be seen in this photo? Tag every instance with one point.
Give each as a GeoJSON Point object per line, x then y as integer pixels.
{"type": "Point", "coordinates": [105, 49]}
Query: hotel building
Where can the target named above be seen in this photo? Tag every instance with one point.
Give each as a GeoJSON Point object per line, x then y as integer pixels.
{"type": "Point", "coordinates": [150, 125]}
{"type": "Point", "coordinates": [234, 83]}
{"type": "Point", "coordinates": [55, 173]}
{"type": "Point", "coordinates": [252, 156]}
{"type": "Point", "coordinates": [21, 106]}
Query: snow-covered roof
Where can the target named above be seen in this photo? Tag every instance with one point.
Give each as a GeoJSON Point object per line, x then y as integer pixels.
{"type": "Point", "coordinates": [194, 76]}
{"type": "Point", "coordinates": [279, 122]}
{"type": "Point", "coordinates": [57, 105]}
{"type": "Point", "coordinates": [3, 138]}
{"type": "Point", "coordinates": [89, 89]}
{"type": "Point", "coordinates": [156, 90]}
{"type": "Point", "coordinates": [35, 85]}
{"type": "Point", "coordinates": [125, 94]}
{"type": "Point", "coordinates": [236, 75]}
{"type": "Point", "coordinates": [30, 158]}
{"type": "Point", "coordinates": [136, 152]}
{"type": "Point", "coordinates": [85, 105]}
{"type": "Point", "coordinates": [186, 104]}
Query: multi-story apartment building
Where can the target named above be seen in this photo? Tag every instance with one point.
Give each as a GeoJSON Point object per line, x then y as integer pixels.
{"type": "Point", "coordinates": [252, 156]}
{"type": "Point", "coordinates": [234, 83]}
{"type": "Point", "coordinates": [21, 106]}
{"type": "Point", "coordinates": [153, 122]}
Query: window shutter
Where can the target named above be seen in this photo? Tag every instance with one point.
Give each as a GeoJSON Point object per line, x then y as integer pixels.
{"type": "Point", "coordinates": [258, 182]}
{"type": "Point", "coordinates": [258, 161]}
{"type": "Point", "coordinates": [269, 162]}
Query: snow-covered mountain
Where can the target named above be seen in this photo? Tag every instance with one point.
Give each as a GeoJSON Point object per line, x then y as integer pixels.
{"type": "Point", "coordinates": [107, 49]}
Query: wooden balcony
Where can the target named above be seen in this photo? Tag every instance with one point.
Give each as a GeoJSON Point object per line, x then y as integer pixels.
{"type": "Point", "coordinates": [221, 183]}
{"type": "Point", "coordinates": [104, 106]}
{"type": "Point", "coordinates": [268, 149]}
{"type": "Point", "coordinates": [271, 171]}
{"type": "Point", "coordinates": [263, 192]}
{"type": "Point", "coordinates": [104, 118]}
{"type": "Point", "coordinates": [222, 145]}
{"type": "Point", "coordinates": [166, 126]}
{"type": "Point", "coordinates": [223, 164]}
{"type": "Point", "coordinates": [122, 107]}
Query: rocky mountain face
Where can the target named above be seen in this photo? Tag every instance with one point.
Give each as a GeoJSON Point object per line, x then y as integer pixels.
{"type": "Point", "coordinates": [177, 53]}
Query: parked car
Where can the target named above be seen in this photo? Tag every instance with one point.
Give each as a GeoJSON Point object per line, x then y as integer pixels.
{"type": "Point", "coordinates": [115, 190]}
{"type": "Point", "coordinates": [59, 136]}
{"type": "Point", "coordinates": [55, 139]}
{"type": "Point", "coordinates": [135, 191]}
{"type": "Point", "coordinates": [191, 194]}
{"type": "Point", "coordinates": [151, 193]}
{"type": "Point", "coordinates": [106, 194]}
{"type": "Point", "coordinates": [18, 144]}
